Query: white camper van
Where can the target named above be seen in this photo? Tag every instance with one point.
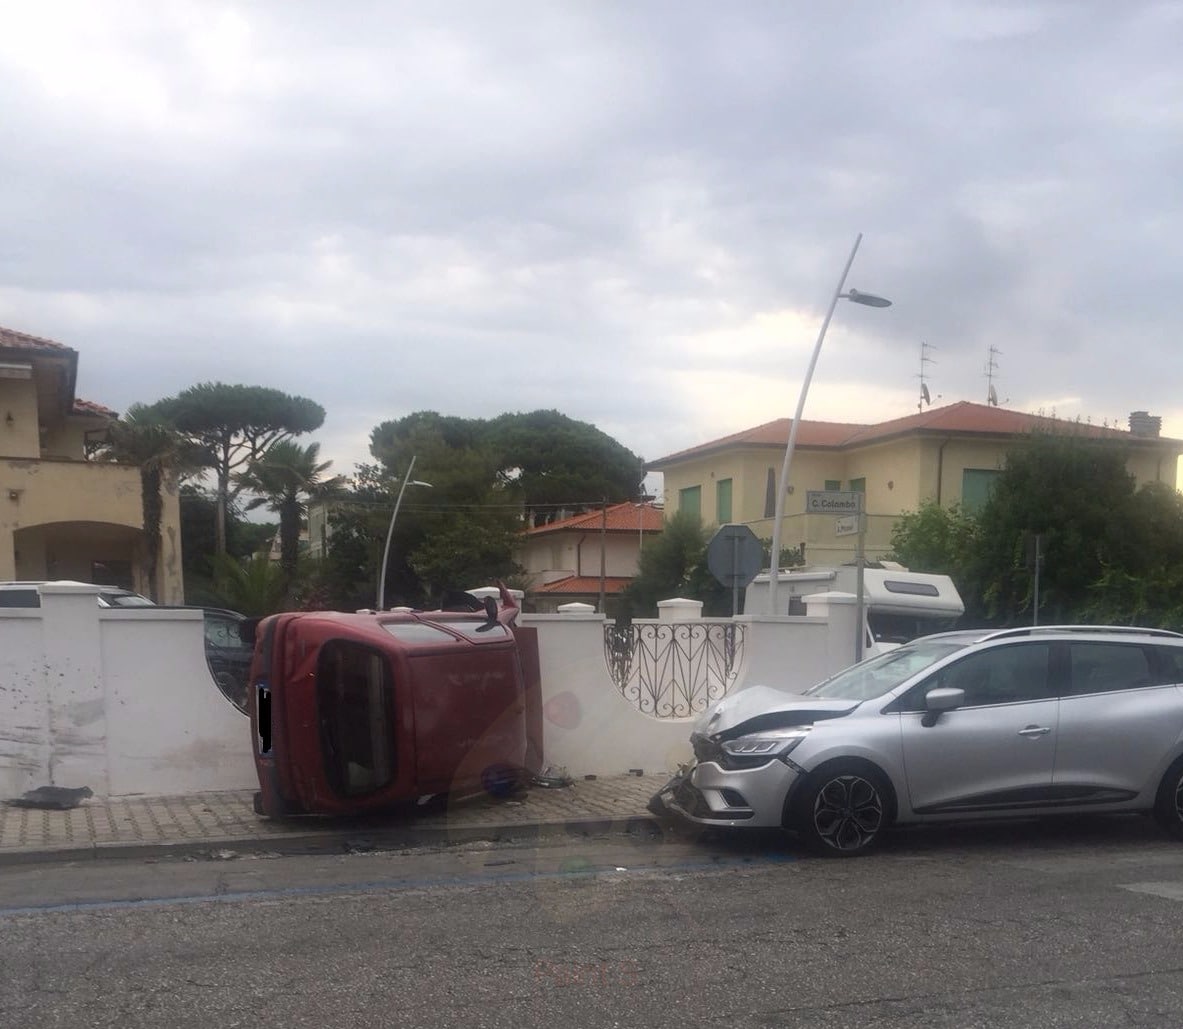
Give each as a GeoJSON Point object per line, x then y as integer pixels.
{"type": "Point", "coordinates": [899, 605]}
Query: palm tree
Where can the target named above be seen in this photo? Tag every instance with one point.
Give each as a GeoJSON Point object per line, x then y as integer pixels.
{"type": "Point", "coordinates": [144, 439]}
{"type": "Point", "coordinates": [253, 587]}
{"type": "Point", "coordinates": [285, 478]}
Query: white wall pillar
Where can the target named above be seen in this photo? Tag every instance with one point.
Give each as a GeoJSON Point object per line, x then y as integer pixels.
{"type": "Point", "coordinates": [789, 653]}
{"type": "Point", "coordinates": [679, 609]}
{"type": "Point", "coordinates": [73, 662]}
{"type": "Point", "coordinates": [840, 610]}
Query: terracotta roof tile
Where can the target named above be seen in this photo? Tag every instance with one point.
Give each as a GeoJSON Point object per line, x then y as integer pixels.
{"type": "Point", "coordinates": [774, 434]}
{"type": "Point", "coordinates": [961, 417]}
{"type": "Point", "coordinates": [981, 418]}
{"type": "Point", "coordinates": [10, 339]}
{"type": "Point", "coordinates": [583, 585]}
{"type": "Point", "coordinates": [89, 407]}
{"type": "Point", "coordinates": [626, 517]}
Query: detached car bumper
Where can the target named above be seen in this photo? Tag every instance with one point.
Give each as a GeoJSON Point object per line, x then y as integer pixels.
{"type": "Point", "coordinates": [708, 794]}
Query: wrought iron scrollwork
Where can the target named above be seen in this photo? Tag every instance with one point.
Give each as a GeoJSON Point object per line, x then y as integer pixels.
{"type": "Point", "coordinates": [673, 669]}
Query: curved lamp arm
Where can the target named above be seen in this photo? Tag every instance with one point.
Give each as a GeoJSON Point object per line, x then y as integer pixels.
{"type": "Point", "coordinates": [407, 481]}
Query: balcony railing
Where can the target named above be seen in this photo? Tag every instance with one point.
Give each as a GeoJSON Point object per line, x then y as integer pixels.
{"type": "Point", "coordinates": [673, 669]}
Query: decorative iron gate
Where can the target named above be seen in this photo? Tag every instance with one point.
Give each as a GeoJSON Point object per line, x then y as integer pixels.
{"type": "Point", "coordinates": [674, 669]}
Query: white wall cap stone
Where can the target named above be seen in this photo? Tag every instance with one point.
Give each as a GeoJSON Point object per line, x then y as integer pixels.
{"type": "Point", "coordinates": [67, 588]}
{"type": "Point", "coordinates": [834, 599]}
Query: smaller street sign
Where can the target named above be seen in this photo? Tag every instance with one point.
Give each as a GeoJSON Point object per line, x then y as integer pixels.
{"type": "Point", "coordinates": [846, 525]}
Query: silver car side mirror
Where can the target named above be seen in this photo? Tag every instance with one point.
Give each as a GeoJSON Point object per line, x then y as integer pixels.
{"type": "Point", "coordinates": [938, 700]}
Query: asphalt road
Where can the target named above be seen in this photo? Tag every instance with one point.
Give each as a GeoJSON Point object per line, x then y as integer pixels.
{"type": "Point", "coordinates": [1067, 924]}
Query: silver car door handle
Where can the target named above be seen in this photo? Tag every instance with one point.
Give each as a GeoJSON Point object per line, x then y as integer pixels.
{"type": "Point", "coordinates": [1035, 730]}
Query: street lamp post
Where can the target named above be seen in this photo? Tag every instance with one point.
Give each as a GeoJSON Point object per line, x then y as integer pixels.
{"type": "Point", "coordinates": [868, 299]}
{"type": "Point", "coordinates": [407, 481]}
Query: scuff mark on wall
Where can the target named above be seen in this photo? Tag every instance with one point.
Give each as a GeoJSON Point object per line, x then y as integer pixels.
{"type": "Point", "coordinates": [21, 762]}
{"type": "Point", "coordinates": [86, 712]}
{"type": "Point", "coordinates": [22, 734]}
{"type": "Point", "coordinates": [78, 744]}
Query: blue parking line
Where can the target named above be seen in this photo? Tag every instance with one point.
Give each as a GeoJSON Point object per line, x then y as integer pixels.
{"type": "Point", "coordinates": [383, 886]}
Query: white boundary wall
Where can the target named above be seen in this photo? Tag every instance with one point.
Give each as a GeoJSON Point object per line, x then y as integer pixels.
{"type": "Point", "coordinates": [117, 699]}
{"type": "Point", "coordinates": [589, 727]}
{"type": "Point", "coordinates": [121, 700]}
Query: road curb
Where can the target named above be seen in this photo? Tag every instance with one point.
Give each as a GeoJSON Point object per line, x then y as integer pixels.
{"type": "Point", "coordinates": [339, 839]}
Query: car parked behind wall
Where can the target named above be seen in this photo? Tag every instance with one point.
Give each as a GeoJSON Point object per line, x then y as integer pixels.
{"type": "Point", "coordinates": [228, 657]}
{"type": "Point", "coordinates": [26, 594]}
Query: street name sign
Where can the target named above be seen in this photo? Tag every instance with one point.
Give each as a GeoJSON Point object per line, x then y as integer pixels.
{"type": "Point", "coordinates": [834, 502]}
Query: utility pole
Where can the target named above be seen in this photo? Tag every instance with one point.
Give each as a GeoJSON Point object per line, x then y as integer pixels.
{"type": "Point", "coordinates": [1038, 562]}
{"type": "Point", "coordinates": [1033, 553]}
{"type": "Point", "coordinates": [603, 553]}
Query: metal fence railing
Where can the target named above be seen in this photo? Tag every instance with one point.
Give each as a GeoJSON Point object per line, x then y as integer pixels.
{"type": "Point", "coordinates": [673, 669]}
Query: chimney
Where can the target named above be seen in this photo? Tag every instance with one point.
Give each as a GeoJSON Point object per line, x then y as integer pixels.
{"type": "Point", "coordinates": [1142, 423]}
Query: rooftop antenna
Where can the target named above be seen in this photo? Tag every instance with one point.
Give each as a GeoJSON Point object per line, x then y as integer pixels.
{"type": "Point", "coordinates": [925, 360]}
{"type": "Point", "coordinates": [991, 368]}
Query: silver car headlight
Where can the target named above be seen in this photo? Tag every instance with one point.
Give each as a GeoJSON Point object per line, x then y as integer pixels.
{"type": "Point", "coordinates": [768, 743]}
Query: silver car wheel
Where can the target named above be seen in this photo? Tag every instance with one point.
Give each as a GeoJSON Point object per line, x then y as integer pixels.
{"type": "Point", "coordinates": [848, 812]}
{"type": "Point", "coordinates": [1168, 805]}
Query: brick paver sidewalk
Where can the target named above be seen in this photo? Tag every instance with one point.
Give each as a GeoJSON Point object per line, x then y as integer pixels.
{"type": "Point", "coordinates": [227, 820]}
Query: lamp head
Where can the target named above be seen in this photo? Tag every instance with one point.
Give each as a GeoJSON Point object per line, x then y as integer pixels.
{"type": "Point", "coordinates": [868, 299]}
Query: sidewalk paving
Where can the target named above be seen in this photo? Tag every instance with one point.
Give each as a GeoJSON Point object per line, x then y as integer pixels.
{"type": "Point", "coordinates": [222, 824]}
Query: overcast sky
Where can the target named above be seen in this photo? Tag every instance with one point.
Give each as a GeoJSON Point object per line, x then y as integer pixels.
{"type": "Point", "coordinates": [633, 212]}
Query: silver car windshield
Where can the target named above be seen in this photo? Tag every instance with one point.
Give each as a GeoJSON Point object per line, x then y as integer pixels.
{"type": "Point", "coordinates": [884, 673]}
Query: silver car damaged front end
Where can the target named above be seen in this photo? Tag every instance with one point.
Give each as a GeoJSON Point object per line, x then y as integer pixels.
{"type": "Point", "coordinates": [743, 772]}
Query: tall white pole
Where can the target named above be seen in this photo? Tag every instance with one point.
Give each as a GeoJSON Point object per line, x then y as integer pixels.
{"type": "Point", "coordinates": [782, 485]}
{"type": "Point", "coordinates": [381, 606]}
{"type": "Point", "coordinates": [860, 611]}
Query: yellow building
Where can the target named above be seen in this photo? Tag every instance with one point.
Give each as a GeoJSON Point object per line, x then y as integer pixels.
{"type": "Point", "coordinates": [948, 454]}
{"type": "Point", "coordinates": [62, 515]}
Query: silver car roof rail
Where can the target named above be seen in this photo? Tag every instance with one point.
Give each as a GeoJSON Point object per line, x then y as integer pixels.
{"type": "Point", "coordinates": [1128, 630]}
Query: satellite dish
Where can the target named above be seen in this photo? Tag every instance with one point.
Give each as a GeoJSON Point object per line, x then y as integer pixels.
{"type": "Point", "coordinates": [992, 396]}
{"type": "Point", "coordinates": [924, 393]}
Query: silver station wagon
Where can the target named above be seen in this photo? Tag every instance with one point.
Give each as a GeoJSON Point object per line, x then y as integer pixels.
{"type": "Point", "coordinates": [981, 724]}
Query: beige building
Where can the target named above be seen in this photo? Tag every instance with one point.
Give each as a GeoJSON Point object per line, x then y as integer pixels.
{"type": "Point", "coordinates": [63, 515]}
{"type": "Point", "coordinates": [573, 559]}
{"type": "Point", "coordinates": [950, 454]}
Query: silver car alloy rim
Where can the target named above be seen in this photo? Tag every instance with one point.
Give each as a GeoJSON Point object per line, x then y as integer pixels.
{"type": "Point", "coordinates": [1179, 799]}
{"type": "Point", "coordinates": [848, 812]}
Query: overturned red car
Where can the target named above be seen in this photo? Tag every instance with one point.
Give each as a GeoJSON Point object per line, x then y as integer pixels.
{"type": "Point", "coordinates": [358, 712]}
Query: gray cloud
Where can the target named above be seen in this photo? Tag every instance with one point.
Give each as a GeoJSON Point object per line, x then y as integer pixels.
{"type": "Point", "coordinates": [479, 208]}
